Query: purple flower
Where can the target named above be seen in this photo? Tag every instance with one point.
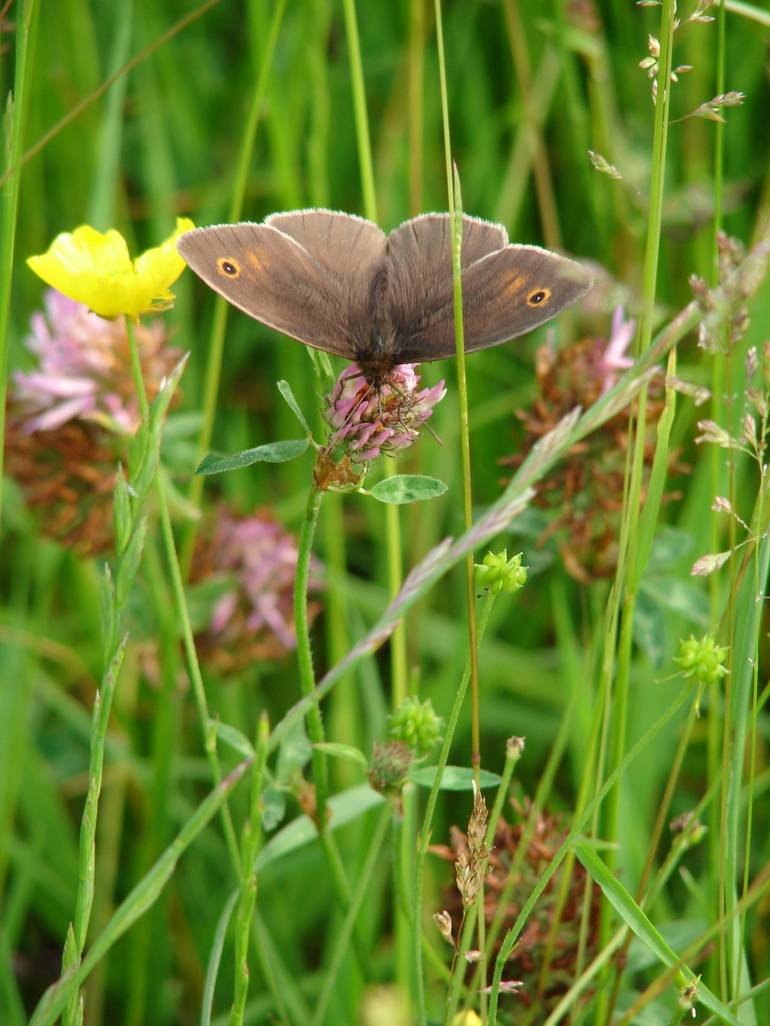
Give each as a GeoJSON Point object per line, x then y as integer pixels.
{"type": "Point", "coordinates": [613, 358]}
{"type": "Point", "coordinates": [368, 421]}
{"type": "Point", "coordinates": [253, 619]}
{"type": "Point", "coordinates": [84, 369]}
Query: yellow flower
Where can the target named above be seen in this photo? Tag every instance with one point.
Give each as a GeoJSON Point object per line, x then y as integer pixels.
{"type": "Point", "coordinates": [95, 269]}
{"type": "Point", "coordinates": [469, 1018]}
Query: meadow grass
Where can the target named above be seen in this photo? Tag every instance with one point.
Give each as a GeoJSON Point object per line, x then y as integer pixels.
{"type": "Point", "coordinates": [196, 832]}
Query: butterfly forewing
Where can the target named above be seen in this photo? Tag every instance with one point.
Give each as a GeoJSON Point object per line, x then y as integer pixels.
{"type": "Point", "coordinates": [271, 277]}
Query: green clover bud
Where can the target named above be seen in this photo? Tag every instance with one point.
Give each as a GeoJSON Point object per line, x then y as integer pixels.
{"type": "Point", "coordinates": [702, 659]}
{"type": "Point", "coordinates": [416, 724]}
{"type": "Point", "coordinates": [497, 573]}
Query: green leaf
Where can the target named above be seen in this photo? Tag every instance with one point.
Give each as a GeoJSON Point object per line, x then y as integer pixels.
{"type": "Point", "coordinates": [273, 808]}
{"type": "Point", "coordinates": [233, 737]}
{"type": "Point", "coordinates": [402, 488]}
{"type": "Point", "coordinates": [338, 751]}
{"type": "Point", "coordinates": [274, 452]}
{"type": "Point", "coordinates": [285, 389]}
{"type": "Point", "coordinates": [294, 753]}
{"type": "Point", "coordinates": [636, 920]}
{"type": "Point", "coordinates": [454, 778]}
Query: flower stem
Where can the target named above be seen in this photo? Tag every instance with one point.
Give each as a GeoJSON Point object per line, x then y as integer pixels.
{"type": "Point", "coordinates": [456, 215]}
{"type": "Point", "coordinates": [177, 587]}
{"type": "Point", "coordinates": [305, 653]}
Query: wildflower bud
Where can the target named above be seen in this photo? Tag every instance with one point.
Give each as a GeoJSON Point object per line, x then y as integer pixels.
{"type": "Point", "coordinates": [715, 434]}
{"type": "Point", "coordinates": [506, 987]}
{"type": "Point", "coordinates": [474, 955]}
{"type": "Point", "coordinates": [497, 573]}
{"type": "Point", "coordinates": [389, 767]}
{"type": "Point", "coordinates": [443, 921]}
{"type": "Point", "coordinates": [417, 724]}
{"type": "Point", "coordinates": [721, 505]}
{"type": "Point", "coordinates": [702, 659]}
{"type": "Point", "coordinates": [514, 748]}
{"type": "Point", "coordinates": [752, 362]}
{"type": "Point", "coordinates": [749, 430]}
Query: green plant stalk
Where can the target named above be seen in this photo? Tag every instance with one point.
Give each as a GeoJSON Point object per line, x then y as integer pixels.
{"type": "Point", "coordinates": [76, 940]}
{"type": "Point", "coordinates": [248, 896]}
{"type": "Point", "coordinates": [177, 588]}
{"type": "Point", "coordinates": [346, 928]}
{"type": "Point", "coordinates": [423, 839]}
{"type": "Point", "coordinates": [14, 125]}
{"type": "Point", "coordinates": [216, 348]}
{"type": "Point", "coordinates": [305, 655]}
{"type": "Point", "coordinates": [560, 854]}
{"type": "Point", "coordinates": [636, 555]}
{"type": "Point", "coordinates": [136, 903]}
{"type": "Point", "coordinates": [456, 215]}
{"type": "Point", "coordinates": [314, 720]}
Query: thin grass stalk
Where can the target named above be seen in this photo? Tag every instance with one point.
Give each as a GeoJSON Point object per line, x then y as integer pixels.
{"type": "Point", "coordinates": [456, 216]}
{"type": "Point", "coordinates": [252, 837]}
{"type": "Point", "coordinates": [636, 555]}
{"type": "Point", "coordinates": [216, 346]}
{"type": "Point", "coordinates": [347, 926]}
{"type": "Point", "coordinates": [177, 588]}
{"type": "Point", "coordinates": [423, 839]}
{"type": "Point", "coordinates": [13, 137]}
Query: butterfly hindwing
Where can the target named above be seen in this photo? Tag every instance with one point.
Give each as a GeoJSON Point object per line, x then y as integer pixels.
{"type": "Point", "coordinates": [505, 294]}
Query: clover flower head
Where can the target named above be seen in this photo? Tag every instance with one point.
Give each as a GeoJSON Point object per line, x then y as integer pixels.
{"type": "Point", "coordinates": [253, 619]}
{"type": "Point", "coordinates": [83, 368]}
{"type": "Point", "coordinates": [367, 421]}
{"type": "Point", "coordinates": [95, 268]}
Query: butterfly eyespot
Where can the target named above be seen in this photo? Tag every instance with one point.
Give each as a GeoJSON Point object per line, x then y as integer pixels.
{"type": "Point", "coordinates": [538, 296]}
{"type": "Point", "coordinates": [229, 266]}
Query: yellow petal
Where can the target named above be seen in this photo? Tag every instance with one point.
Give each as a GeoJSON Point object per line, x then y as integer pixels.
{"type": "Point", "coordinates": [160, 267]}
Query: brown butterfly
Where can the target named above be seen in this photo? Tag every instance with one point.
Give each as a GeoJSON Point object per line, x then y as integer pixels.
{"type": "Point", "coordinates": [337, 282]}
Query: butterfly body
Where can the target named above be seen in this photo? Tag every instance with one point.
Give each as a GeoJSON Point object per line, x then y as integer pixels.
{"type": "Point", "coordinates": [338, 283]}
